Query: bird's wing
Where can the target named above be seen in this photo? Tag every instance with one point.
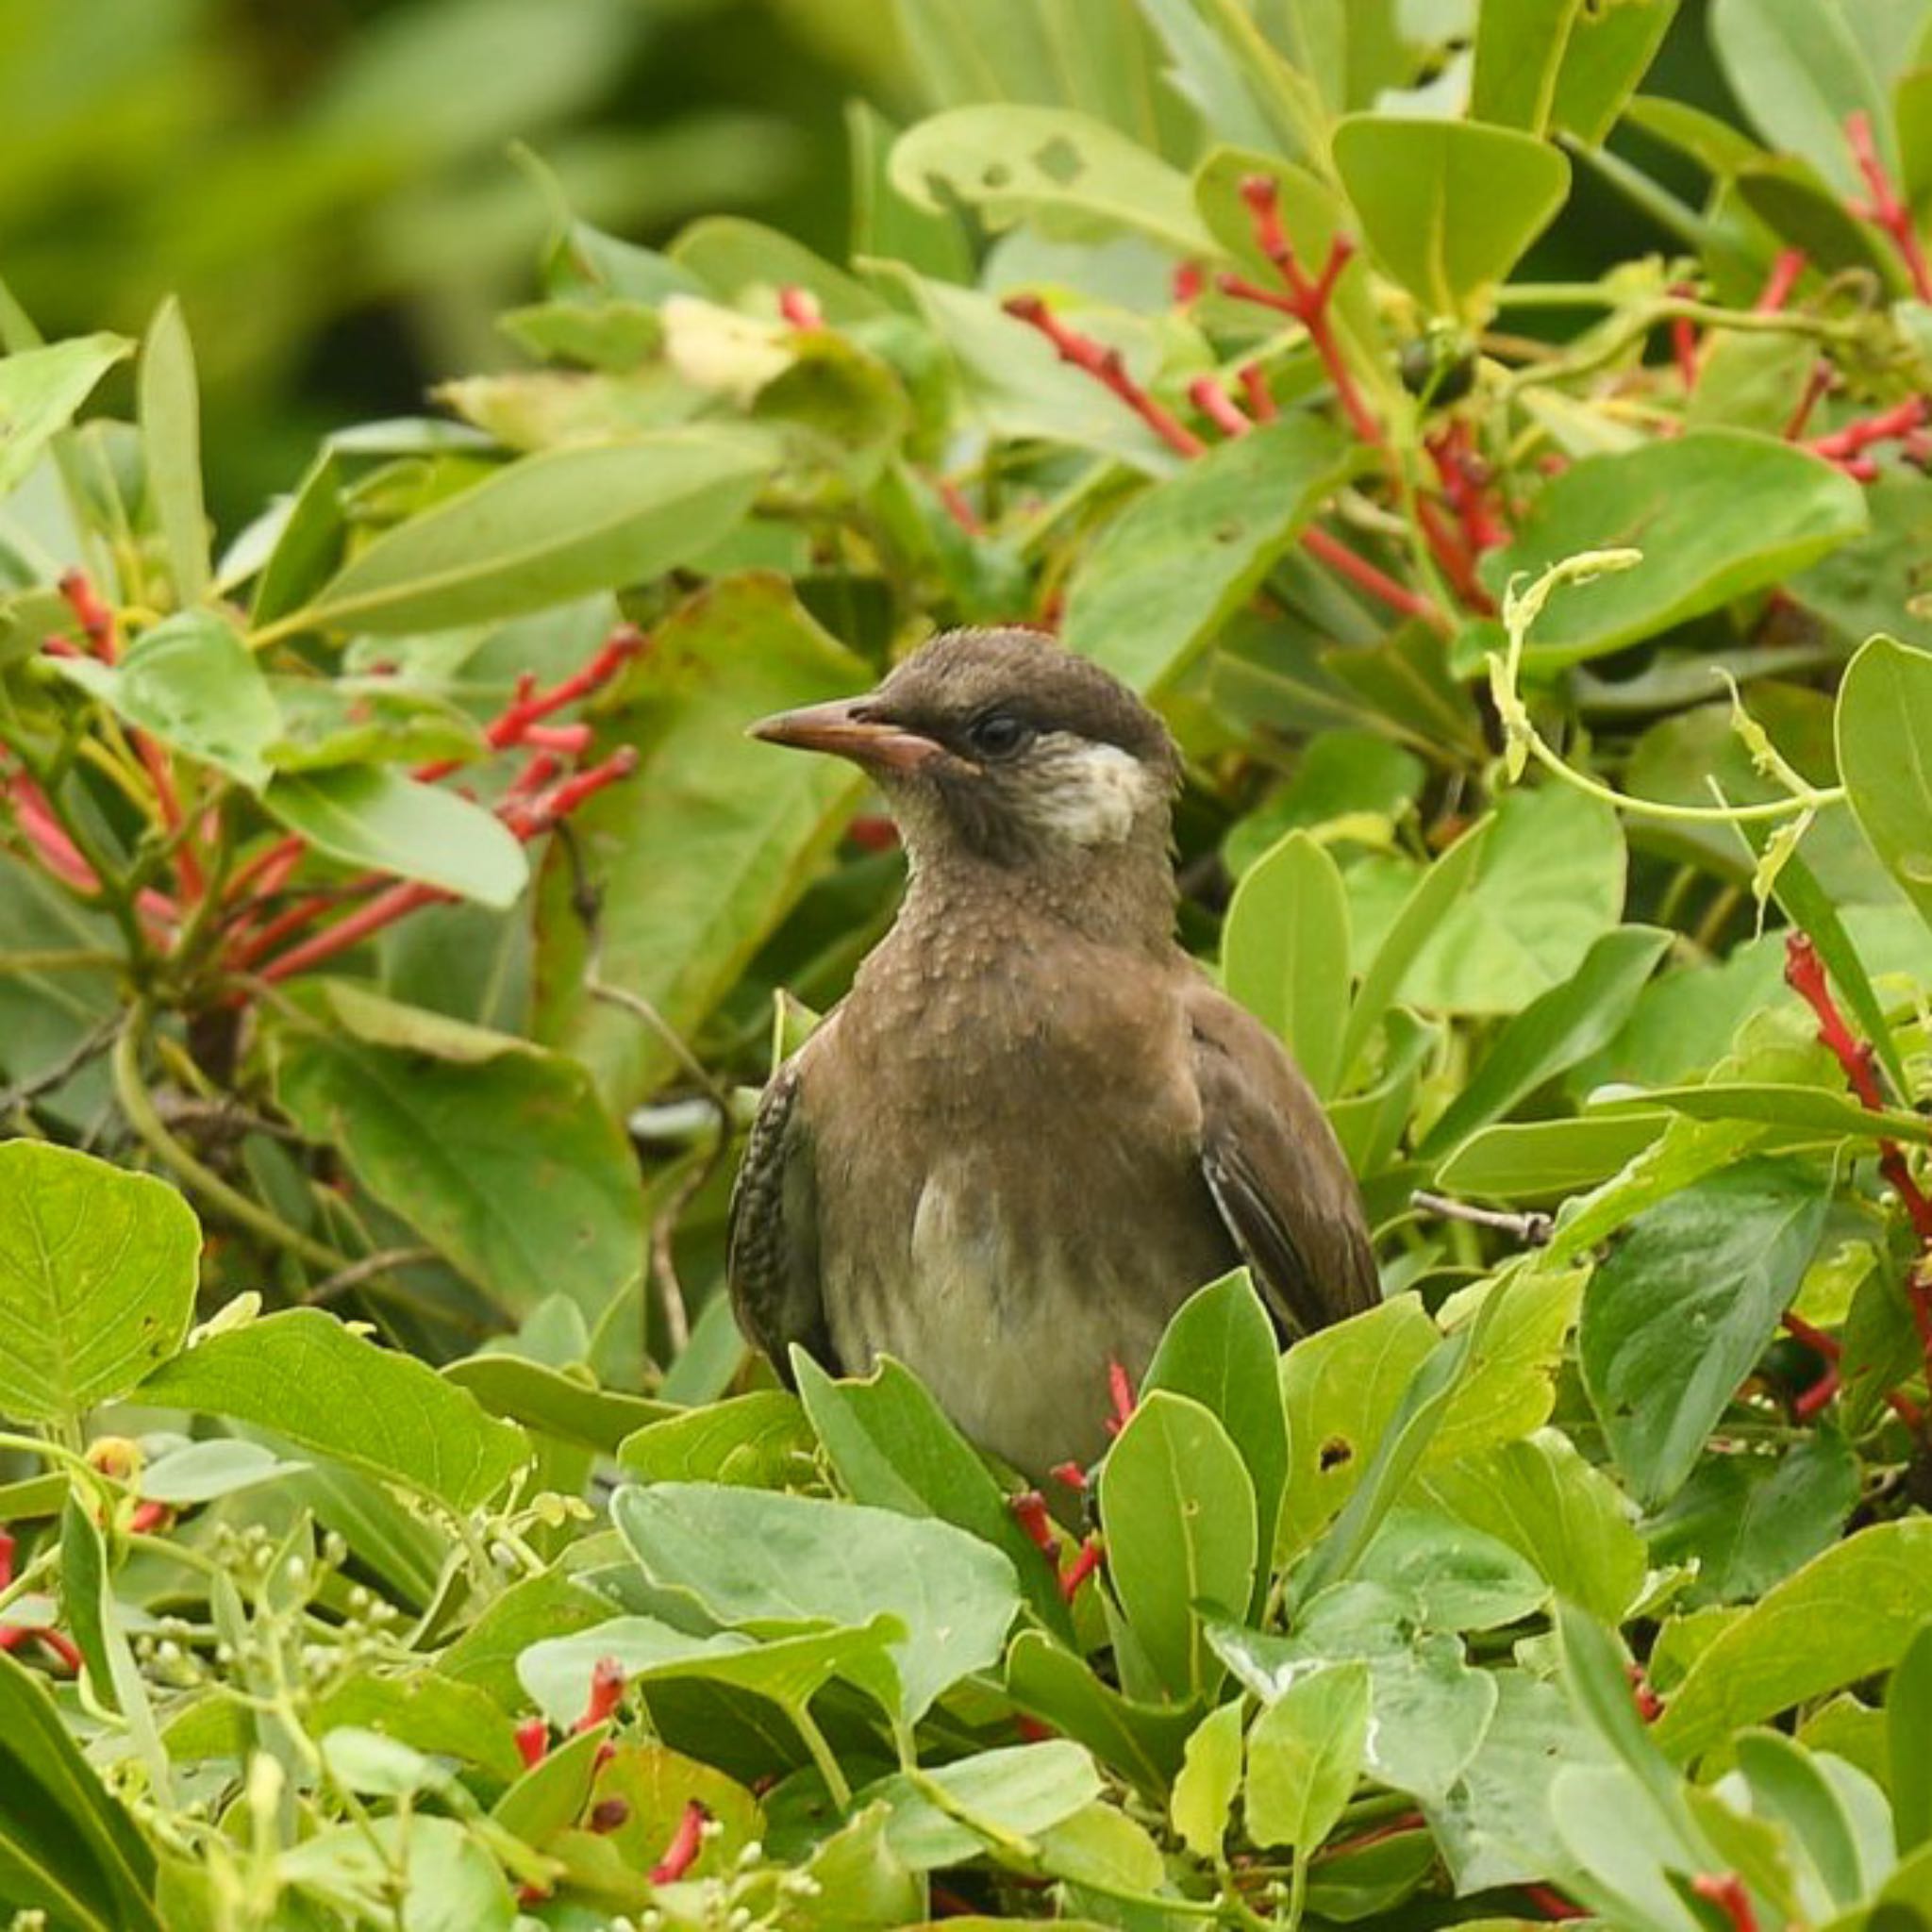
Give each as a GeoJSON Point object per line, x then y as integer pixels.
{"type": "Point", "coordinates": [1277, 1172]}
{"type": "Point", "coordinates": [773, 1242]}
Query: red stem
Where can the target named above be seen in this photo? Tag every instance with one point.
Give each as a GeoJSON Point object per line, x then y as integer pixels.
{"type": "Point", "coordinates": [1883, 206]}
{"type": "Point", "coordinates": [1817, 386]}
{"type": "Point", "coordinates": [1260, 399]}
{"type": "Point", "coordinates": [1783, 278]}
{"type": "Point", "coordinates": [1359, 570]}
{"type": "Point", "coordinates": [1081, 1568]}
{"type": "Point", "coordinates": [1725, 1891]}
{"type": "Point", "coordinates": [95, 620]}
{"type": "Point", "coordinates": [1218, 406]}
{"type": "Point", "coordinates": [1108, 368]}
{"type": "Point", "coordinates": [1887, 426]}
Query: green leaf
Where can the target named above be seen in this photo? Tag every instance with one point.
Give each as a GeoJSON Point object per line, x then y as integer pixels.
{"type": "Point", "coordinates": [1908, 1724]}
{"type": "Point", "coordinates": [485, 1656]}
{"type": "Point", "coordinates": [1848, 1614]}
{"type": "Point", "coordinates": [1519, 46]}
{"type": "Point", "coordinates": [1178, 1508]}
{"type": "Point", "coordinates": [546, 528]}
{"type": "Point", "coordinates": [1717, 512]}
{"type": "Point", "coordinates": [1220, 1349]}
{"type": "Point", "coordinates": [308, 543]}
{"type": "Point", "coordinates": [510, 1167]}
{"type": "Point", "coordinates": [1459, 1577]}
{"type": "Point", "coordinates": [307, 1378]}
{"type": "Point", "coordinates": [1204, 1794]}
{"type": "Point", "coordinates": [449, 1882]}
{"type": "Point", "coordinates": [1545, 1160]}
{"type": "Point", "coordinates": [98, 1269]}
{"type": "Point", "coordinates": [762, 1441]}
{"type": "Point", "coordinates": [1017, 1790]}
{"type": "Point", "coordinates": [1747, 1521]}
{"type": "Point", "coordinates": [1553, 1033]}
{"type": "Point", "coordinates": [1807, 1112]}
{"type": "Point", "coordinates": [1342, 1386]}
{"type": "Point", "coordinates": [368, 815]}
{"type": "Point", "coordinates": [1488, 193]}
{"type": "Point", "coordinates": [892, 1447]}
{"type": "Point", "coordinates": [1428, 903]}
{"type": "Point", "coordinates": [40, 391]}
{"type": "Point", "coordinates": [1675, 1318]}
{"type": "Point", "coordinates": [1609, 50]}
{"type": "Point", "coordinates": [565, 1404]}
{"type": "Point", "coordinates": [1789, 1787]}
{"type": "Point", "coordinates": [1167, 573]}
{"type": "Point", "coordinates": [711, 844]}
{"type": "Point", "coordinates": [1305, 1753]}
{"type": "Point", "coordinates": [1799, 71]}
{"type": "Point", "coordinates": [425, 1710]}
{"type": "Point", "coordinates": [1141, 1742]}
{"type": "Point", "coordinates": [1285, 954]}
{"type": "Point", "coordinates": [194, 683]}
{"type": "Point", "coordinates": [1072, 175]}
{"type": "Point", "coordinates": [1548, 883]}
{"type": "Point", "coordinates": [1884, 726]}
{"type": "Point", "coordinates": [169, 402]}
{"type": "Point", "coordinates": [1554, 1510]}
{"type": "Point", "coordinates": [66, 1848]}
{"type": "Point", "coordinates": [748, 1556]}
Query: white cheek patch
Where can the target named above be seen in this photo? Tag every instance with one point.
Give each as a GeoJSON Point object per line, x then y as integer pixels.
{"type": "Point", "coordinates": [1090, 794]}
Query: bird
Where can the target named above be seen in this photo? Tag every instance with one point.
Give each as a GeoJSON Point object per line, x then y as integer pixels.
{"type": "Point", "coordinates": [1034, 1126]}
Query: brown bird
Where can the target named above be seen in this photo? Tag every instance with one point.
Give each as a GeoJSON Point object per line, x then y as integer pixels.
{"type": "Point", "coordinates": [1034, 1126]}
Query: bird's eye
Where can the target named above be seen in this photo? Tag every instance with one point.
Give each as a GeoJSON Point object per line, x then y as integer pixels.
{"type": "Point", "coordinates": [998, 734]}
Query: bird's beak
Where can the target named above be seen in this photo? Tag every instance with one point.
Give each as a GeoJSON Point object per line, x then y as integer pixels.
{"type": "Point", "coordinates": [843, 728]}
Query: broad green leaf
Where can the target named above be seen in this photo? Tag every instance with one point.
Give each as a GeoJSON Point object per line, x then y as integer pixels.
{"type": "Point", "coordinates": [1717, 512]}
{"type": "Point", "coordinates": [49, 1011]}
{"type": "Point", "coordinates": [1801, 211]}
{"type": "Point", "coordinates": [510, 1167]}
{"type": "Point", "coordinates": [1285, 954]}
{"type": "Point", "coordinates": [1545, 1160]}
{"type": "Point", "coordinates": [200, 1471]}
{"type": "Point", "coordinates": [368, 815]}
{"type": "Point", "coordinates": [353, 720]}
{"type": "Point", "coordinates": [98, 1269]}
{"type": "Point", "coordinates": [1798, 70]}
{"type": "Point", "coordinates": [485, 1654]}
{"type": "Point", "coordinates": [657, 1783]}
{"type": "Point", "coordinates": [1057, 53]}
{"type": "Point", "coordinates": [546, 528]}
{"type": "Point", "coordinates": [790, 1668]}
{"type": "Point", "coordinates": [449, 1882]}
{"type": "Point", "coordinates": [1340, 774]}
{"type": "Point", "coordinates": [1556, 1511]}
{"type": "Point", "coordinates": [1789, 1787]}
{"type": "Point", "coordinates": [748, 1556]}
{"type": "Point", "coordinates": [1220, 1349]}
{"type": "Point", "coordinates": [1884, 727]}
{"type": "Point", "coordinates": [1610, 50]}
{"type": "Point", "coordinates": [1516, 1354]}
{"type": "Point", "coordinates": [1547, 883]}
{"type": "Point", "coordinates": [1749, 1521]}
{"type": "Point", "coordinates": [762, 1441]}
{"type": "Point", "coordinates": [1017, 1789]}
{"type": "Point", "coordinates": [307, 1378]}
{"type": "Point", "coordinates": [1179, 1509]}
{"type": "Point", "coordinates": [1804, 1112]}
{"type": "Point", "coordinates": [1520, 46]}
{"type": "Point", "coordinates": [1675, 1318]}
{"type": "Point", "coordinates": [67, 1849]}
{"type": "Point", "coordinates": [893, 1447]}
{"type": "Point", "coordinates": [1494, 1827]}
{"type": "Point", "coordinates": [193, 683]}
{"type": "Point", "coordinates": [1427, 904]}
{"type": "Point", "coordinates": [1070, 175]}
{"type": "Point", "coordinates": [169, 400]}
{"type": "Point", "coordinates": [40, 391]}
{"type": "Point", "coordinates": [1305, 1753]}
{"type": "Point", "coordinates": [739, 260]}
{"type": "Point", "coordinates": [1553, 1032]}
{"type": "Point", "coordinates": [1342, 1386]}
{"type": "Point", "coordinates": [307, 543]}
{"type": "Point", "coordinates": [426, 1710]}
{"type": "Point", "coordinates": [1204, 1794]}
{"type": "Point", "coordinates": [1848, 1614]}
{"type": "Point", "coordinates": [1486, 193]}
{"type": "Point", "coordinates": [1461, 1578]}
{"type": "Point", "coordinates": [710, 845]}
{"type": "Point", "coordinates": [565, 1404]}
{"type": "Point", "coordinates": [1908, 1724]}
{"type": "Point", "coordinates": [1170, 569]}
{"type": "Point", "coordinates": [1141, 1742]}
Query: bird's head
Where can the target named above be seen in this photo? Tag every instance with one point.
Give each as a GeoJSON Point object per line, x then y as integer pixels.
{"type": "Point", "coordinates": [1002, 746]}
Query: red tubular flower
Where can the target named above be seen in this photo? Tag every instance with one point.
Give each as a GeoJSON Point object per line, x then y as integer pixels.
{"type": "Point", "coordinates": [1029, 1509]}
{"type": "Point", "coordinates": [1081, 1568]}
{"type": "Point", "coordinates": [686, 1841]}
{"type": "Point", "coordinates": [533, 1740]}
{"type": "Point", "coordinates": [1883, 206]}
{"type": "Point", "coordinates": [606, 1693]}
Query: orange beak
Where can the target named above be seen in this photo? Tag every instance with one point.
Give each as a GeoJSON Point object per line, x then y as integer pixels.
{"type": "Point", "coordinates": [843, 728]}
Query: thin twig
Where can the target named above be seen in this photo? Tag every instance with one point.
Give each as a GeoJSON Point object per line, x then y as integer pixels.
{"type": "Point", "coordinates": [89, 1046]}
{"type": "Point", "coordinates": [357, 1272]}
{"type": "Point", "coordinates": [1531, 1229]}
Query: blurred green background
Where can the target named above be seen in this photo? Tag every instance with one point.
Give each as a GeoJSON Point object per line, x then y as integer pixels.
{"type": "Point", "coordinates": [327, 184]}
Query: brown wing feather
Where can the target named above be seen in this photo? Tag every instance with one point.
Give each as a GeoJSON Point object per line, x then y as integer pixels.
{"type": "Point", "coordinates": [1277, 1172]}
{"type": "Point", "coordinates": [772, 1255]}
